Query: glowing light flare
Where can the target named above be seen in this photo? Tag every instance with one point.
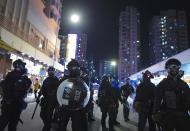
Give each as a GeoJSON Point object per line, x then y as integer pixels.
{"type": "Point", "coordinates": [113, 63]}
{"type": "Point", "coordinates": [71, 47]}
{"type": "Point", "coordinates": [75, 18]}
{"type": "Point", "coordinates": [148, 76]}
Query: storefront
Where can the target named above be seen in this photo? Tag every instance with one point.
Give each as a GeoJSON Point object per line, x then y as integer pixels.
{"type": "Point", "coordinates": [5, 62]}
{"type": "Point", "coordinates": [33, 67]}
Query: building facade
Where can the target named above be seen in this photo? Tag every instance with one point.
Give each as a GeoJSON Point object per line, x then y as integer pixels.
{"type": "Point", "coordinates": [63, 48]}
{"type": "Point", "coordinates": [81, 48]}
{"type": "Point", "coordinates": [168, 35]}
{"type": "Point", "coordinates": [106, 68]}
{"type": "Point", "coordinates": [74, 46]}
{"type": "Point", "coordinates": [28, 32]}
{"type": "Point", "coordinates": [129, 43]}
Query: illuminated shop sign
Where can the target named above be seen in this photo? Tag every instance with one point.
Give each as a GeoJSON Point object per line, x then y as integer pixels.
{"type": "Point", "coordinates": [71, 47]}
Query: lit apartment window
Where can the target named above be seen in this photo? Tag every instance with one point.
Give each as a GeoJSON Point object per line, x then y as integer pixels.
{"type": "Point", "coordinates": [172, 47]}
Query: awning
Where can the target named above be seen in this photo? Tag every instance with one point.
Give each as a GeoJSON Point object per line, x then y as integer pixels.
{"type": "Point", "coordinates": [5, 46]}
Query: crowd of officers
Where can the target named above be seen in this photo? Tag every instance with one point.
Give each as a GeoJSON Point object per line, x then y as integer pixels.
{"type": "Point", "coordinates": [165, 106]}
{"type": "Point", "coordinates": [15, 87]}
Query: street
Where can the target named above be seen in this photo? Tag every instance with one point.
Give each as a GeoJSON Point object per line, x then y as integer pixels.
{"type": "Point", "coordinates": [36, 124]}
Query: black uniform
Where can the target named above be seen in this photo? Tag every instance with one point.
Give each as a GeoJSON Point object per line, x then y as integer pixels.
{"type": "Point", "coordinates": [117, 98]}
{"type": "Point", "coordinates": [144, 101]}
{"type": "Point", "coordinates": [126, 90]}
{"type": "Point", "coordinates": [106, 101]}
{"type": "Point", "coordinates": [90, 105]}
{"type": "Point", "coordinates": [15, 87]}
{"type": "Point", "coordinates": [172, 101]}
{"type": "Point", "coordinates": [49, 100]}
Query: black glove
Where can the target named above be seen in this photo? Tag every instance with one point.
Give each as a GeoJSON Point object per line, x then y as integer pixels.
{"type": "Point", "coordinates": [38, 100]}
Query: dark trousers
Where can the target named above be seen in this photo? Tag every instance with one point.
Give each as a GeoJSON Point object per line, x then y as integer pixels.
{"type": "Point", "coordinates": [116, 111]}
{"type": "Point", "coordinates": [35, 93]}
{"type": "Point", "coordinates": [111, 113]}
{"type": "Point", "coordinates": [46, 114]}
{"type": "Point", "coordinates": [179, 122]}
{"type": "Point", "coordinates": [10, 116]}
{"type": "Point", "coordinates": [143, 116]}
{"type": "Point", "coordinates": [126, 111]}
{"type": "Point", "coordinates": [78, 118]}
{"type": "Point", "coordinates": [90, 110]}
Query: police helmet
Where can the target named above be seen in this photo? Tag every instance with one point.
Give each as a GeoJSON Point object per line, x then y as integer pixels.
{"type": "Point", "coordinates": [127, 79]}
{"type": "Point", "coordinates": [73, 94]}
{"type": "Point", "coordinates": [104, 77]}
{"type": "Point", "coordinates": [147, 74]}
{"type": "Point", "coordinates": [72, 63]}
{"type": "Point", "coordinates": [19, 64]}
{"type": "Point", "coordinates": [51, 69]}
{"type": "Point", "coordinates": [172, 61]}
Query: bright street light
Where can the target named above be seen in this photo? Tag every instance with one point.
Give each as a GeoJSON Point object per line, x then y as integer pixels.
{"type": "Point", "coordinates": [75, 18]}
{"type": "Point", "coordinates": [113, 63]}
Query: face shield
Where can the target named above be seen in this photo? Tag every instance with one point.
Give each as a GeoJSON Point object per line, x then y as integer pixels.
{"type": "Point", "coordinates": [75, 70]}
{"type": "Point", "coordinates": [20, 67]}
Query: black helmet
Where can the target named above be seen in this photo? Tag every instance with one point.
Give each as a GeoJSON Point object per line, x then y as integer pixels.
{"type": "Point", "coordinates": [72, 63]}
{"type": "Point", "coordinates": [51, 68]}
{"type": "Point", "coordinates": [19, 64]}
{"type": "Point", "coordinates": [127, 79]}
{"type": "Point", "coordinates": [147, 74]}
{"type": "Point", "coordinates": [172, 61]}
{"type": "Point", "coordinates": [105, 78]}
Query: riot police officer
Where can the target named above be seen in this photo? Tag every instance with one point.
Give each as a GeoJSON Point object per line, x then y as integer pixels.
{"type": "Point", "coordinates": [126, 91]}
{"type": "Point", "coordinates": [172, 100]}
{"type": "Point", "coordinates": [15, 87]}
{"type": "Point", "coordinates": [49, 101]}
{"type": "Point", "coordinates": [86, 76]}
{"type": "Point", "coordinates": [144, 102]}
{"type": "Point", "coordinates": [69, 109]}
{"type": "Point", "coordinates": [106, 101]}
{"type": "Point", "coordinates": [117, 98]}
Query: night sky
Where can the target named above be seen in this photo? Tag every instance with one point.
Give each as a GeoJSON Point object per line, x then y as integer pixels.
{"type": "Point", "coordinates": [100, 20]}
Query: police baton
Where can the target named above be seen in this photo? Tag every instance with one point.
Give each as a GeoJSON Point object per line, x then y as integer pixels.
{"type": "Point", "coordinates": [20, 121]}
{"type": "Point", "coordinates": [34, 110]}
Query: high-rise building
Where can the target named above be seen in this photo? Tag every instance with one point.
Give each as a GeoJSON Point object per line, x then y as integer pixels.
{"type": "Point", "coordinates": [168, 35]}
{"type": "Point", "coordinates": [63, 48]}
{"type": "Point", "coordinates": [75, 48]}
{"type": "Point", "coordinates": [81, 48]}
{"type": "Point", "coordinates": [129, 42]}
{"type": "Point", "coordinates": [28, 32]}
{"type": "Point", "coordinates": [106, 68]}
{"type": "Point", "coordinates": [154, 36]}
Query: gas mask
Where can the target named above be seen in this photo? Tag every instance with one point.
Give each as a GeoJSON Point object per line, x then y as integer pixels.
{"type": "Point", "coordinates": [51, 73]}
{"type": "Point", "coordinates": [21, 68]}
{"type": "Point", "coordinates": [173, 70]}
{"type": "Point", "coordinates": [75, 71]}
{"type": "Point", "coordinates": [181, 73]}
